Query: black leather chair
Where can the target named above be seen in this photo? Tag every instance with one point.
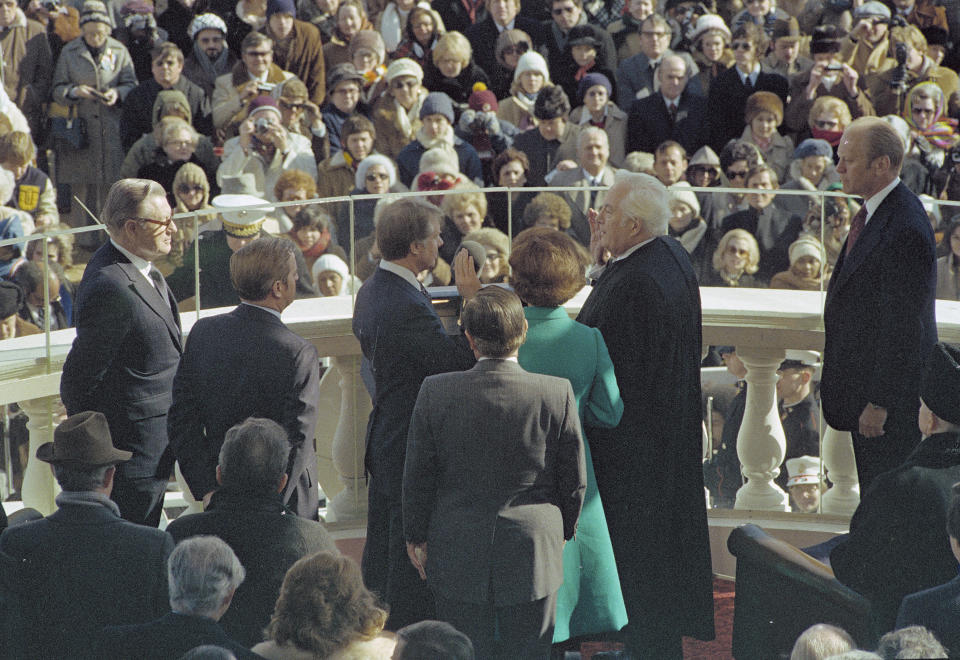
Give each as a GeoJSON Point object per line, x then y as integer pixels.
{"type": "Point", "coordinates": [781, 591]}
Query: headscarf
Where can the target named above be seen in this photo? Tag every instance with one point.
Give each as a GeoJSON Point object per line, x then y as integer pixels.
{"type": "Point", "coordinates": [942, 131]}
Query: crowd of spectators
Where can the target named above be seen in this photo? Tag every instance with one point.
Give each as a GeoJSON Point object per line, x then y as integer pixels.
{"type": "Point", "coordinates": [317, 98]}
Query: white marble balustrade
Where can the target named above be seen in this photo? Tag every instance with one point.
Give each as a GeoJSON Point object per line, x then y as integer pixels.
{"type": "Point", "coordinates": [760, 322]}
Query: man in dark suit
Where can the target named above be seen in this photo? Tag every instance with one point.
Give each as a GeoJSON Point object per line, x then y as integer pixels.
{"type": "Point", "coordinates": [636, 75]}
{"type": "Point", "coordinates": [204, 574]}
{"type": "Point", "coordinates": [247, 363]}
{"type": "Point", "coordinates": [404, 341]}
{"type": "Point", "coordinates": [672, 114]}
{"type": "Point", "coordinates": [646, 303]}
{"type": "Point", "coordinates": [500, 15]}
{"type": "Point", "coordinates": [731, 88]}
{"type": "Point", "coordinates": [247, 512]}
{"type": "Point", "coordinates": [879, 313]}
{"type": "Point", "coordinates": [128, 344]}
{"type": "Point", "coordinates": [494, 453]}
{"type": "Point", "coordinates": [83, 567]}
{"type": "Point", "coordinates": [898, 542]}
{"type": "Point", "coordinates": [593, 153]}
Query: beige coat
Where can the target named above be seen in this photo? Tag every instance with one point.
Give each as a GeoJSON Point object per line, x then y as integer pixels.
{"type": "Point", "coordinates": [615, 127]}
{"type": "Point", "coordinates": [99, 163]}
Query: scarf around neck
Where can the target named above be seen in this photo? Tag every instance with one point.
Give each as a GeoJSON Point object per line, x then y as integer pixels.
{"type": "Point", "coordinates": [212, 68]}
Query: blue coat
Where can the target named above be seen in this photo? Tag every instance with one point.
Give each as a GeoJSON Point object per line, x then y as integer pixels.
{"type": "Point", "coordinates": [937, 610]}
{"type": "Point", "coordinates": [590, 600]}
{"type": "Point", "coordinates": [408, 162]}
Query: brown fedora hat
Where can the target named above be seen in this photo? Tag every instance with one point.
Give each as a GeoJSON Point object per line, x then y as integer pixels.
{"type": "Point", "coordinates": [82, 439]}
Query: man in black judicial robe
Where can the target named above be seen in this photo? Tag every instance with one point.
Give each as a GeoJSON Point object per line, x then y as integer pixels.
{"type": "Point", "coordinates": [646, 303]}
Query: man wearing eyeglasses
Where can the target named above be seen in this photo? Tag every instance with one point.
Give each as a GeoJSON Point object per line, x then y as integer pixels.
{"type": "Point", "coordinates": [501, 15]}
{"type": "Point", "coordinates": [128, 344]}
{"type": "Point", "coordinates": [636, 75]}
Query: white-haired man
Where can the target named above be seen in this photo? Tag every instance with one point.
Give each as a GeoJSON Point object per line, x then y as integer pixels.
{"type": "Point", "coordinates": [203, 573]}
{"type": "Point", "coordinates": [646, 303]}
{"type": "Point", "coordinates": [593, 155]}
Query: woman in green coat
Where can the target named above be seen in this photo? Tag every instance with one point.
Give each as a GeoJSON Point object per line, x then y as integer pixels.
{"type": "Point", "coordinates": [548, 270]}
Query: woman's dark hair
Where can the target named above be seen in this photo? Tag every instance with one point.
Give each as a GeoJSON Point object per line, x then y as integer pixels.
{"type": "Point", "coordinates": [506, 156]}
{"type": "Point", "coordinates": [312, 216]}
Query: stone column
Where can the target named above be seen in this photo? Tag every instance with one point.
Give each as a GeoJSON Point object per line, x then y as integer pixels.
{"type": "Point", "coordinates": [39, 486]}
{"type": "Point", "coordinates": [841, 467]}
{"type": "Point", "coordinates": [349, 442]}
{"type": "Point", "coordinates": [761, 445]}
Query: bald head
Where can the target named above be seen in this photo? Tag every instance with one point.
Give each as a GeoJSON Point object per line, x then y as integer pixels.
{"type": "Point", "coordinates": [673, 76]}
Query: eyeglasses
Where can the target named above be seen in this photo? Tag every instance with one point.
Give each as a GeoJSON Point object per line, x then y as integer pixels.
{"type": "Point", "coordinates": [741, 45]}
{"type": "Point", "coordinates": [291, 105]}
{"type": "Point", "coordinates": [160, 223]}
{"type": "Point", "coordinates": [736, 174]}
{"type": "Point", "coordinates": [559, 11]}
{"type": "Point", "coordinates": [259, 53]}
{"type": "Point", "coordinates": [376, 176]}
{"type": "Point", "coordinates": [405, 84]}
{"type": "Point", "coordinates": [178, 143]}
{"type": "Point", "coordinates": [187, 189]}
{"type": "Point", "coordinates": [518, 49]}
{"type": "Point", "coordinates": [826, 124]}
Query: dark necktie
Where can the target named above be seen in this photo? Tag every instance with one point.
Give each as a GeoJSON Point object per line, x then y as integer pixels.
{"type": "Point", "coordinates": [672, 109]}
{"type": "Point", "coordinates": [159, 283]}
{"type": "Point", "coordinates": [748, 85]}
{"type": "Point", "coordinates": [593, 193]}
{"type": "Point", "coordinates": [856, 226]}
{"type": "Point", "coordinates": [425, 293]}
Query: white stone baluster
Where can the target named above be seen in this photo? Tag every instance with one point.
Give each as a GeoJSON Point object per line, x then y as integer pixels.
{"type": "Point", "coordinates": [328, 417]}
{"type": "Point", "coordinates": [39, 487]}
{"type": "Point", "coordinates": [761, 445]}
{"type": "Point", "coordinates": [841, 467]}
{"type": "Point", "coordinates": [193, 506]}
{"type": "Point", "coordinates": [349, 442]}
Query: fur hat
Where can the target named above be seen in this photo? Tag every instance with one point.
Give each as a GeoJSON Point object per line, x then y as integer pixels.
{"type": "Point", "coordinates": [366, 163]}
{"type": "Point", "coordinates": [825, 39]}
{"type": "Point", "coordinates": [763, 102]}
{"type": "Point", "coordinates": [206, 22]}
{"type": "Point", "coordinates": [404, 67]}
{"type": "Point", "coordinates": [368, 40]}
{"type": "Point", "coordinates": [437, 103]}
{"type": "Point", "coordinates": [708, 22]}
{"type": "Point", "coordinates": [583, 35]}
{"type": "Point", "coordinates": [813, 147]}
{"type": "Point", "coordinates": [785, 27]}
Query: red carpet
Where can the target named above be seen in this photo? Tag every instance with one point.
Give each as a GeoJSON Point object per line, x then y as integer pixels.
{"type": "Point", "coordinates": [719, 649]}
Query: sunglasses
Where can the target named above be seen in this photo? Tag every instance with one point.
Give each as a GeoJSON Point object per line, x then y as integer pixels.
{"type": "Point", "coordinates": [160, 223]}
{"type": "Point", "coordinates": [292, 106]}
{"type": "Point", "coordinates": [701, 169]}
{"type": "Point", "coordinates": [741, 45]}
{"type": "Point", "coordinates": [736, 174]}
{"type": "Point", "coordinates": [519, 49]}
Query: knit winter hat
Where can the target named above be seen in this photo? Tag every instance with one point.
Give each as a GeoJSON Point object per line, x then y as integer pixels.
{"type": "Point", "coordinates": [206, 22]}
{"type": "Point", "coordinates": [263, 104]}
{"type": "Point", "coordinates": [813, 147]}
{"type": "Point", "coordinates": [532, 61]}
{"type": "Point", "coordinates": [281, 7]}
{"type": "Point", "coordinates": [592, 80]}
{"type": "Point", "coordinates": [404, 67]}
{"type": "Point", "coordinates": [482, 99]}
{"type": "Point", "coordinates": [763, 102]}
{"type": "Point", "coordinates": [368, 40]}
{"type": "Point", "coordinates": [442, 160]}
{"type": "Point", "coordinates": [94, 12]}
{"type": "Point", "coordinates": [680, 192]}
{"type": "Point", "coordinates": [437, 103]}
{"type": "Point", "coordinates": [806, 246]}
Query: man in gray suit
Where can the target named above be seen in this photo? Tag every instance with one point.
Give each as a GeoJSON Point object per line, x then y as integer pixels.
{"type": "Point", "coordinates": [593, 154]}
{"type": "Point", "coordinates": [493, 484]}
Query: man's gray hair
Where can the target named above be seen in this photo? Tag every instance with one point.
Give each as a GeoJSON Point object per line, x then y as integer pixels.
{"type": "Point", "coordinates": [910, 642]}
{"type": "Point", "coordinates": [590, 132]}
{"type": "Point", "coordinates": [673, 58]}
{"type": "Point", "coordinates": [821, 641]}
{"type": "Point", "coordinates": [125, 200]}
{"type": "Point", "coordinates": [254, 455]}
{"type": "Point", "coordinates": [202, 572]}
{"type": "Point", "coordinates": [646, 200]}
{"type": "Point", "coordinates": [77, 478]}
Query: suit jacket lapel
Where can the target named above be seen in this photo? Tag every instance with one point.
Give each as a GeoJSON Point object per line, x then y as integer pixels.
{"type": "Point", "coordinates": [871, 235]}
{"type": "Point", "coordinates": [151, 297]}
